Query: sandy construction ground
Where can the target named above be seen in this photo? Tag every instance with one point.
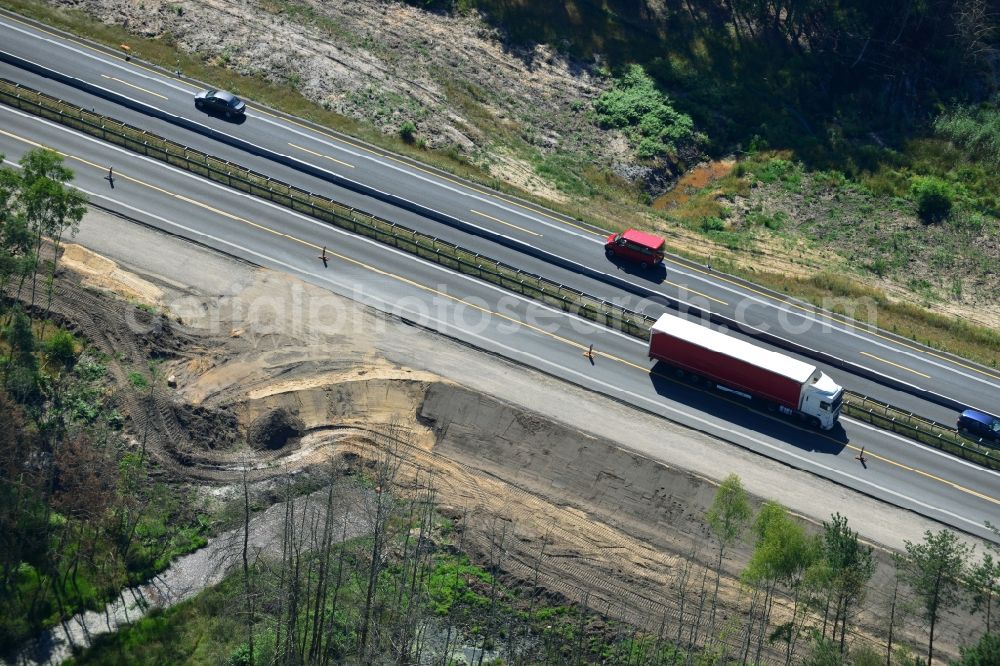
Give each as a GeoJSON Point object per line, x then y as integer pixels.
{"type": "Point", "coordinates": [601, 499]}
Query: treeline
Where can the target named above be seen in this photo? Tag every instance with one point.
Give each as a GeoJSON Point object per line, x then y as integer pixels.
{"type": "Point", "coordinates": [826, 577]}
{"type": "Point", "coordinates": [369, 569]}
{"type": "Point", "coordinates": [802, 74]}
{"type": "Point", "coordinates": [80, 516]}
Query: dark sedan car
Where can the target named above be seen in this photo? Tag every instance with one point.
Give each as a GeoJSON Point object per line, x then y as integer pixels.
{"type": "Point", "coordinates": [979, 425]}
{"type": "Point", "coordinates": [220, 101]}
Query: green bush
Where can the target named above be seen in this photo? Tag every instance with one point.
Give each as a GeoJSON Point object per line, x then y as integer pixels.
{"type": "Point", "coordinates": [778, 170]}
{"type": "Point", "coordinates": [713, 224]}
{"type": "Point", "coordinates": [240, 656]}
{"type": "Point", "coordinates": [983, 653]}
{"type": "Point", "coordinates": [933, 197]}
{"type": "Point", "coordinates": [645, 115]}
{"type": "Point", "coordinates": [977, 131]}
{"type": "Point", "coordinates": [773, 221]}
{"type": "Point", "coordinates": [407, 131]}
{"type": "Point", "coordinates": [61, 348]}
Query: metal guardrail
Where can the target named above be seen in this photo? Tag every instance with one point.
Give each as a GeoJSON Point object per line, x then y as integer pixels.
{"type": "Point", "coordinates": [326, 209]}
{"type": "Point", "coordinates": [932, 433]}
{"type": "Point", "coordinates": [442, 252]}
{"type": "Point", "coordinates": [493, 237]}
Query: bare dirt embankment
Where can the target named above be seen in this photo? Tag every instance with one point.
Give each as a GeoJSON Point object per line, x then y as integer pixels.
{"type": "Point", "coordinates": [593, 518]}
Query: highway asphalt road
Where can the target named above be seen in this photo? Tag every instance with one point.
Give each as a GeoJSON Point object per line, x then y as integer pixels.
{"type": "Point", "coordinates": [962, 380]}
{"type": "Point", "coordinates": [898, 470]}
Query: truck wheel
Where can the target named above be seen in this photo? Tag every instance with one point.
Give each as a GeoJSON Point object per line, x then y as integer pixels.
{"type": "Point", "coordinates": [608, 252]}
{"type": "Point", "coordinates": [815, 422]}
{"type": "Point", "coordinates": [643, 265]}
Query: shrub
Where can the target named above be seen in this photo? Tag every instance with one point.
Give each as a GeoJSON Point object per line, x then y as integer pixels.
{"type": "Point", "coordinates": [407, 131]}
{"type": "Point", "coordinates": [61, 348]}
{"type": "Point", "coordinates": [773, 221]}
{"type": "Point", "coordinates": [975, 130]}
{"type": "Point", "coordinates": [933, 197]}
{"type": "Point", "coordinates": [778, 170]}
{"type": "Point", "coordinates": [240, 656]}
{"type": "Point", "coordinates": [645, 115]}
{"type": "Point", "coordinates": [22, 383]}
{"type": "Point", "coordinates": [713, 224]}
{"type": "Point", "coordinates": [21, 338]}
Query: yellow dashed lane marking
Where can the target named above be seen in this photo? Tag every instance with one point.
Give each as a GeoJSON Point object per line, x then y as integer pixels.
{"type": "Point", "coordinates": [436, 292]}
{"type": "Point", "coordinates": [496, 219]}
{"type": "Point", "coordinates": [312, 152]}
{"type": "Point", "coordinates": [897, 365]}
{"type": "Point", "coordinates": [132, 85]}
{"type": "Point", "coordinates": [429, 172]}
{"type": "Point", "coordinates": [534, 211]}
{"type": "Point", "coordinates": [838, 320]}
{"type": "Point", "coordinates": [96, 50]}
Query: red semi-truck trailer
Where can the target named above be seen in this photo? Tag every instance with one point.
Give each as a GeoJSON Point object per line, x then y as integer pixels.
{"type": "Point", "coordinates": [740, 368]}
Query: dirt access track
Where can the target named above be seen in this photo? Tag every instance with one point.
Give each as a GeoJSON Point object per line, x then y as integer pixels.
{"type": "Point", "coordinates": [560, 466]}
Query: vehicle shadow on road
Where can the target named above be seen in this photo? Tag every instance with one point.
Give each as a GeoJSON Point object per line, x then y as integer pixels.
{"type": "Point", "coordinates": [655, 274]}
{"type": "Point", "coordinates": [232, 120]}
{"type": "Point", "coordinates": [701, 395]}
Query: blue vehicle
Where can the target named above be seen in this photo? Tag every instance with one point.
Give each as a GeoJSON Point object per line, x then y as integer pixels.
{"type": "Point", "coordinates": [979, 425]}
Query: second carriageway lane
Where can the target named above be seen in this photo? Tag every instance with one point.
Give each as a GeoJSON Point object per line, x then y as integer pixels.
{"type": "Point", "coordinates": [480, 210]}
{"type": "Point", "coordinates": [896, 470]}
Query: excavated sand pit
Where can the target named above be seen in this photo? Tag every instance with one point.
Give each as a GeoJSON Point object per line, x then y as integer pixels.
{"type": "Point", "coordinates": [587, 517]}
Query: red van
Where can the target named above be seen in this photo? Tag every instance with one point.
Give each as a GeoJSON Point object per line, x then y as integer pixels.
{"type": "Point", "coordinates": [638, 246]}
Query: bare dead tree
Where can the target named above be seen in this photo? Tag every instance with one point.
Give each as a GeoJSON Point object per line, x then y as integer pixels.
{"type": "Point", "coordinates": [693, 635]}
{"type": "Point", "coordinates": [385, 467]}
{"type": "Point", "coordinates": [327, 654]}
{"type": "Point", "coordinates": [422, 565]}
{"type": "Point", "coordinates": [497, 552]}
{"type": "Point", "coordinates": [322, 584]}
{"type": "Point", "coordinates": [398, 621]}
{"type": "Point", "coordinates": [248, 591]}
{"type": "Point", "coordinates": [282, 570]}
{"type": "Point", "coordinates": [681, 585]}
{"type": "Point", "coordinates": [975, 27]}
{"type": "Point", "coordinates": [534, 584]}
{"type": "Point", "coordinates": [895, 606]}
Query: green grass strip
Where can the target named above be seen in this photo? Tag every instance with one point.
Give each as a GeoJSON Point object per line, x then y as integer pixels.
{"type": "Point", "coordinates": [409, 240]}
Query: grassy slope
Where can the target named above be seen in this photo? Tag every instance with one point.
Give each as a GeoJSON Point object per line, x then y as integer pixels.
{"type": "Point", "coordinates": [721, 91]}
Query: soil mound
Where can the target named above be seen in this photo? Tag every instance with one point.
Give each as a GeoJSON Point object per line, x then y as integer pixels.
{"type": "Point", "coordinates": [275, 429]}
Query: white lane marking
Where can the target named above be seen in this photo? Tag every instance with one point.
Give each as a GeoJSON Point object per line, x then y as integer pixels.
{"type": "Point", "coordinates": [583, 379]}
{"type": "Point", "coordinates": [610, 387]}
{"type": "Point", "coordinates": [824, 320]}
{"type": "Point", "coordinates": [928, 449]}
{"type": "Point", "coordinates": [93, 56]}
{"type": "Point", "coordinates": [314, 222]}
{"type": "Point", "coordinates": [554, 225]}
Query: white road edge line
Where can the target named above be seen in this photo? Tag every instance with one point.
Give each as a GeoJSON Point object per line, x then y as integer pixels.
{"type": "Point", "coordinates": [609, 387]}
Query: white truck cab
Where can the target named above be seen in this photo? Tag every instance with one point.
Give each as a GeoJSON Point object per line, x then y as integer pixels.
{"type": "Point", "coordinates": [822, 399]}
